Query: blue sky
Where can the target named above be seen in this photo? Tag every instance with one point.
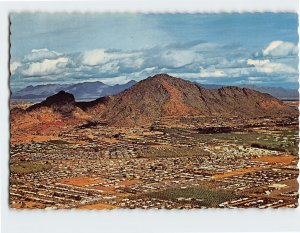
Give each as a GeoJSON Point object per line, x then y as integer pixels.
{"type": "Point", "coordinates": [228, 49]}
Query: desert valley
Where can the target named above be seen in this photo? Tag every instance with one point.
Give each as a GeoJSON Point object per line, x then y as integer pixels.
{"type": "Point", "coordinates": [162, 142]}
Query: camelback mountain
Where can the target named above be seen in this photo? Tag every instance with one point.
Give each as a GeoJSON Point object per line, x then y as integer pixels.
{"type": "Point", "coordinates": [163, 95]}
{"type": "Point", "coordinates": [154, 98]}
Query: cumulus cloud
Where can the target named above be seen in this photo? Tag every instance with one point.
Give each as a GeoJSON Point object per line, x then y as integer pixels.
{"type": "Point", "coordinates": [40, 54]}
{"type": "Point", "coordinates": [175, 58]}
{"type": "Point", "coordinates": [215, 73]}
{"type": "Point", "coordinates": [46, 67]}
{"type": "Point", "coordinates": [280, 48]}
{"type": "Point", "coordinates": [95, 57]}
{"type": "Point", "coordinates": [102, 56]}
{"type": "Point", "coordinates": [265, 66]}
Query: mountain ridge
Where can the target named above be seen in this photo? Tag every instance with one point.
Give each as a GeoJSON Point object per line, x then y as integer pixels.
{"type": "Point", "coordinates": [277, 92]}
{"type": "Point", "coordinates": [93, 90]}
{"type": "Point", "coordinates": [81, 91]}
{"type": "Point", "coordinates": [165, 96]}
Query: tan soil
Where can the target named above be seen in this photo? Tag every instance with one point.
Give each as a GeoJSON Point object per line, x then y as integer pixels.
{"type": "Point", "coordinates": [276, 159]}
{"type": "Point", "coordinates": [80, 181]}
{"type": "Point", "coordinates": [236, 172]}
{"type": "Point", "coordinates": [129, 182]}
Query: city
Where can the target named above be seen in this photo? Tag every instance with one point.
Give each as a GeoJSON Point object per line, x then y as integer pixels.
{"type": "Point", "coordinates": [94, 166]}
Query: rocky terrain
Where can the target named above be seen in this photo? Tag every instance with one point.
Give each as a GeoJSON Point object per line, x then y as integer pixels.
{"type": "Point", "coordinates": [148, 101]}
{"type": "Point", "coordinates": [45, 120]}
{"type": "Point", "coordinates": [165, 96]}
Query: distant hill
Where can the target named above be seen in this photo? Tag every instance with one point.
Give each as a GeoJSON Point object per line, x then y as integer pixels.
{"type": "Point", "coordinates": [278, 92]}
{"type": "Point", "coordinates": [81, 91]}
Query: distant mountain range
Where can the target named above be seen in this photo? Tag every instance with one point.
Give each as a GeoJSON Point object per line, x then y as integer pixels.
{"type": "Point", "coordinates": [278, 92]}
{"type": "Point", "coordinates": [81, 91]}
{"type": "Point", "coordinates": [94, 90]}
{"type": "Point", "coordinates": [150, 100]}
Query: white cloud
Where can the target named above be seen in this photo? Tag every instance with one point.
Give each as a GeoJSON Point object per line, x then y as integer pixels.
{"type": "Point", "coordinates": [46, 67]}
{"type": "Point", "coordinates": [101, 56]}
{"type": "Point", "coordinates": [40, 54]}
{"type": "Point", "coordinates": [214, 73]}
{"type": "Point", "coordinates": [14, 66]}
{"type": "Point", "coordinates": [257, 62]}
{"type": "Point", "coordinates": [149, 69]}
{"type": "Point", "coordinates": [115, 80]}
{"type": "Point", "coordinates": [280, 49]}
{"type": "Point", "coordinates": [95, 57]}
{"type": "Point", "coordinates": [266, 66]}
{"type": "Point", "coordinates": [176, 58]}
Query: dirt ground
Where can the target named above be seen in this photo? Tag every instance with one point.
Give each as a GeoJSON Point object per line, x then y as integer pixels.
{"type": "Point", "coordinates": [236, 172]}
{"type": "Point", "coordinates": [286, 159]}
{"type": "Point", "coordinates": [81, 181]}
{"type": "Point", "coordinates": [129, 182]}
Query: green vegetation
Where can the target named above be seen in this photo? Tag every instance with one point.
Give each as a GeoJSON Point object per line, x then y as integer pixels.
{"type": "Point", "coordinates": [283, 141]}
{"type": "Point", "coordinates": [281, 147]}
{"type": "Point", "coordinates": [29, 167]}
{"type": "Point", "coordinates": [204, 197]}
{"type": "Point", "coordinates": [172, 152]}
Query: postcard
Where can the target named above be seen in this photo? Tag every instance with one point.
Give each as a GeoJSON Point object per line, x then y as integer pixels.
{"type": "Point", "coordinates": [153, 111]}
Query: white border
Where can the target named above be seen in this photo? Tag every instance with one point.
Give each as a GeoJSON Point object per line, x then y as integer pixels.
{"type": "Point", "coordinates": [131, 220]}
{"type": "Point", "coordinates": [157, 6]}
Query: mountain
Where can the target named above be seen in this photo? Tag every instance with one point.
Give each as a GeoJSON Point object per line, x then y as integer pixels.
{"type": "Point", "coordinates": [81, 91]}
{"type": "Point", "coordinates": [44, 121]}
{"type": "Point", "coordinates": [39, 91]}
{"type": "Point", "coordinates": [94, 90]}
{"type": "Point", "coordinates": [277, 92]}
{"type": "Point", "coordinates": [164, 96]}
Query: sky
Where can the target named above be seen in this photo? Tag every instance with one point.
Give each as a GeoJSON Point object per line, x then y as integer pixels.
{"type": "Point", "coordinates": [224, 48]}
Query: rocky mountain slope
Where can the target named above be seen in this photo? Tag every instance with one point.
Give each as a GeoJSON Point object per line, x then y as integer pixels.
{"type": "Point", "coordinates": [165, 96]}
{"type": "Point", "coordinates": [45, 120]}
